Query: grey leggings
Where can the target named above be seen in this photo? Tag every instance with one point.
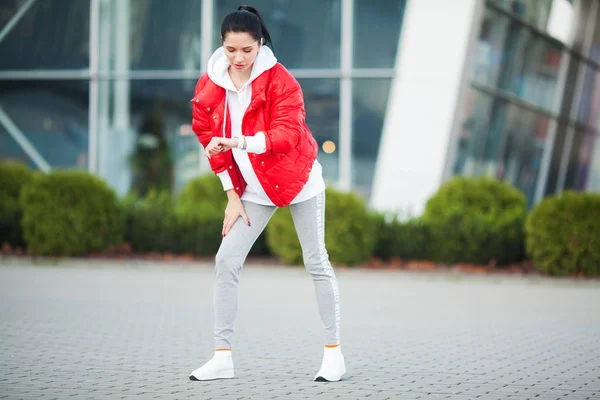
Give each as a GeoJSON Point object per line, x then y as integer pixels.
{"type": "Point", "coordinates": [309, 218]}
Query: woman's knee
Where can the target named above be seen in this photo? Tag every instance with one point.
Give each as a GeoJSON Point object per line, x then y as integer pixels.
{"type": "Point", "coordinates": [226, 262]}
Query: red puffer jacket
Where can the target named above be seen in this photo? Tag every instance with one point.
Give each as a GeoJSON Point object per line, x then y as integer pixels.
{"type": "Point", "coordinates": [276, 108]}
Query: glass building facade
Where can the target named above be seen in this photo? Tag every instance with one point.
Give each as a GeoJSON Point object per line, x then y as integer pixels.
{"type": "Point", "coordinates": [531, 115]}
{"type": "Point", "coordinates": [84, 83]}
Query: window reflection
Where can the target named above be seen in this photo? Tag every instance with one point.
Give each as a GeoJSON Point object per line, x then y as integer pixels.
{"type": "Point", "coordinates": [370, 102]}
{"type": "Point", "coordinates": [501, 140]}
{"type": "Point", "coordinates": [509, 56]}
{"type": "Point", "coordinates": [377, 26]}
{"type": "Point", "coordinates": [473, 133]}
{"type": "Point", "coordinates": [552, 183]}
{"type": "Point", "coordinates": [52, 34]}
{"type": "Point", "coordinates": [521, 153]}
{"type": "Point", "coordinates": [161, 118]}
{"type": "Point", "coordinates": [322, 103]}
{"type": "Point", "coordinates": [53, 116]}
{"type": "Point", "coordinates": [590, 97]}
{"type": "Point", "coordinates": [488, 58]}
{"type": "Point", "coordinates": [164, 36]}
{"type": "Point", "coordinates": [306, 34]}
{"type": "Point", "coordinates": [580, 160]}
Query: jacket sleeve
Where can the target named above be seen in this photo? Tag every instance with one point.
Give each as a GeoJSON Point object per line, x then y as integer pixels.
{"type": "Point", "coordinates": [287, 114]}
{"type": "Point", "coordinates": [202, 129]}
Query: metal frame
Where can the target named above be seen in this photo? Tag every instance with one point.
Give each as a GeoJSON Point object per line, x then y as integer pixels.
{"type": "Point", "coordinates": [23, 142]}
{"type": "Point", "coordinates": [552, 129]}
{"type": "Point", "coordinates": [465, 79]}
{"type": "Point", "coordinates": [93, 93]}
{"type": "Point", "coordinates": [97, 76]}
{"type": "Point", "coordinates": [207, 18]}
{"type": "Point", "coordinates": [16, 18]}
{"type": "Point", "coordinates": [586, 46]}
{"type": "Point", "coordinates": [345, 125]}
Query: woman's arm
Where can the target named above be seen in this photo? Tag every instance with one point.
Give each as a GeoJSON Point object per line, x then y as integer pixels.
{"type": "Point", "coordinates": [287, 114]}
{"type": "Point", "coordinates": [202, 129]}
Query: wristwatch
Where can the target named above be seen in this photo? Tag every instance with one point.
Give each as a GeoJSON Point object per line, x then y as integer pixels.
{"type": "Point", "coordinates": [240, 142]}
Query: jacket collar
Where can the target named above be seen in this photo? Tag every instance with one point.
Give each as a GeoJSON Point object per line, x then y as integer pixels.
{"type": "Point", "coordinates": [213, 95]}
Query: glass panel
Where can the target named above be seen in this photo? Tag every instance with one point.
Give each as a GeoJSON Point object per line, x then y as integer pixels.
{"type": "Point", "coordinates": [535, 80]}
{"type": "Point", "coordinates": [473, 132]}
{"type": "Point", "coordinates": [557, 152]}
{"type": "Point", "coordinates": [580, 160]}
{"type": "Point", "coordinates": [501, 115]}
{"type": "Point", "coordinates": [490, 48]}
{"type": "Point", "coordinates": [53, 116]}
{"type": "Point", "coordinates": [52, 34]}
{"type": "Point", "coordinates": [161, 119]}
{"type": "Point", "coordinates": [370, 102]}
{"type": "Point", "coordinates": [531, 66]}
{"type": "Point", "coordinates": [595, 45]}
{"type": "Point", "coordinates": [165, 34]}
{"type": "Point", "coordinates": [534, 12]}
{"type": "Point", "coordinates": [593, 183]}
{"type": "Point", "coordinates": [151, 143]}
{"type": "Point", "coordinates": [570, 86]}
{"type": "Point", "coordinates": [590, 97]}
{"type": "Point", "coordinates": [377, 25]}
{"type": "Point", "coordinates": [594, 114]}
{"type": "Point", "coordinates": [523, 148]}
{"type": "Point", "coordinates": [322, 103]}
{"type": "Point", "coordinates": [306, 34]}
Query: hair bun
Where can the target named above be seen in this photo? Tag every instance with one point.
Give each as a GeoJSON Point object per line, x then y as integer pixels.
{"type": "Point", "coordinates": [249, 9]}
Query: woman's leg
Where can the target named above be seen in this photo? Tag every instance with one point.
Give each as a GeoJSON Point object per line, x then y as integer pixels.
{"type": "Point", "coordinates": [231, 256]}
{"type": "Point", "coordinates": [309, 219]}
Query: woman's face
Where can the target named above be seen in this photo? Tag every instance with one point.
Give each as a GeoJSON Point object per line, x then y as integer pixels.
{"type": "Point", "coordinates": [241, 50]}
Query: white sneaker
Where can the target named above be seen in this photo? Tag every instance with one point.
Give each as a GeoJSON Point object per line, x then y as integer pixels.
{"type": "Point", "coordinates": [333, 365]}
{"type": "Point", "coordinates": [220, 366]}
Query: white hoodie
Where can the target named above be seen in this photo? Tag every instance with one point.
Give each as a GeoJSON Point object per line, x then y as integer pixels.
{"type": "Point", "coordinates": [238, 101]}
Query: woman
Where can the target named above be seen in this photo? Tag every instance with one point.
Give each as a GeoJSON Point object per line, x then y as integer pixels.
{"type": "Point", "coordinates": [248, 113]}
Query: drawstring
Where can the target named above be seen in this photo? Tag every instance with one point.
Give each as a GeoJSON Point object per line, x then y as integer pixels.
{"type": "Point", "coordinates": [225, 113]}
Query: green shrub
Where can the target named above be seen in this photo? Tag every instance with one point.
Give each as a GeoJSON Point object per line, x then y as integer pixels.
{"type": "Point", "coordinates": [13, 176]}
{"type": "Point", "coordinates": [206, 192]}
{"type": "Point", "coordinates": [477, 238]}
{"type": "Point", "coordinates": [349, 231]}
{"type": "Point", "coordinates": [67, 213]}
{"type": "Point", "coordinates": [476, 220]}
{"type": "Point", "coordinates": [156, 223]}
{"type": "Point", "coordinates": [563, 234]}
{"type": "Point", "coordinates": [151, 224]}
{"type": "Point", "coordinates": [205, 189]}
{"type": "Point", "coordinates": [199, 229]}
{"type": "Point", "coordinates": [407, 240]}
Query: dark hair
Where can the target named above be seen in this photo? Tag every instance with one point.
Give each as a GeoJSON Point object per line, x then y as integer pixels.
{"type": "Point", "coordinates": [246, 19]}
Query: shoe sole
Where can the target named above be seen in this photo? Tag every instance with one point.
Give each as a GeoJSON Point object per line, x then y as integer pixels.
{"type": "Point", "coordinates": [321, 379]}
{"type": "Point", "coordinates": [193, 378]}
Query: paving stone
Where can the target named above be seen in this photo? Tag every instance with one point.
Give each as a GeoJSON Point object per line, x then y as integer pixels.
{"type": "Point", "coordinates": [111, 330]}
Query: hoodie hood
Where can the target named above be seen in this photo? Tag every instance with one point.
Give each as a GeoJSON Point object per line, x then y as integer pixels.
{"type": "Point", "coordinates": [218, 65]}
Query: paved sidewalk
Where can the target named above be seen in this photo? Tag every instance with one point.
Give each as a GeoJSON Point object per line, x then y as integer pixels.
{"type": "Point", "coordinates": [136, 330]}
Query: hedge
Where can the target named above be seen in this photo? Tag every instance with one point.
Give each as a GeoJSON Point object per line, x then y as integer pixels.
{"type": "Point", "coordinates": [563, 234]}
{"type": "Point", "coordinates": [349, 231]}
{"type": "Point", "coordinates": [69, 213]}
{"type": "Point", "coordinates": [13, 176]}
{"type": "Point", "coordinates": [476, 220]}
{"type": "Point", "coordinates": [206, 192]}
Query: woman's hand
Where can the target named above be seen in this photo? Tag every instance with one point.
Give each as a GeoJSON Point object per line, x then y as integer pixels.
{"type": "Point", "coordinates": [234, 210]}
{"type": "Point", "coordinates": [218, 145]}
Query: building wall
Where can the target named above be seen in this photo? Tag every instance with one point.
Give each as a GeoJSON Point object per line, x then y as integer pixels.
{"type": "Point", "coordinates": [400, 95]}
{"type": "Point", "coordinates": [429, 77]}
{"type": "Point", "coordinates": [530, 115]}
